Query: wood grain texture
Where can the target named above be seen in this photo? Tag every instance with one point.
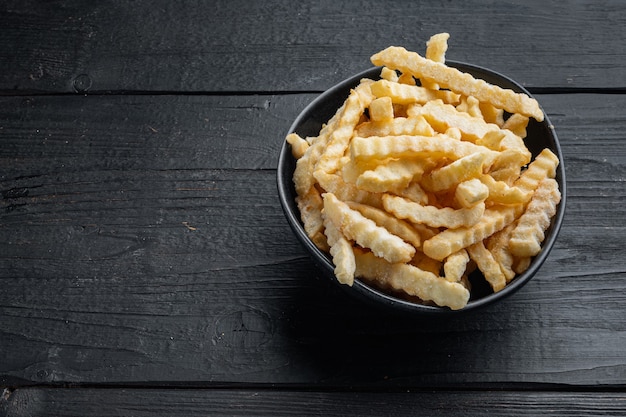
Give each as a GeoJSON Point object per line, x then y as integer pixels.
{"type": "Point", "coordinates": [248, 402]}
{"type": "Point", "coordinates": [141, 241]}
{"type": "Point", "coordinates": [77, 46]}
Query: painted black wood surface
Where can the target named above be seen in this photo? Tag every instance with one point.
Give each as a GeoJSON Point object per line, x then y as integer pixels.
{"type": "Point", "coordinates": [146, 266]}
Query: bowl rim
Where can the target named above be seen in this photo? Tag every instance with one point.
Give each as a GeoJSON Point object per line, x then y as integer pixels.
{"type": "Point", "coordinates": [375, 295]}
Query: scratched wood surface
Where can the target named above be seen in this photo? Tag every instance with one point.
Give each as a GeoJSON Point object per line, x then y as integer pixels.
{"type": "Point", "coordinates": [143, 248]}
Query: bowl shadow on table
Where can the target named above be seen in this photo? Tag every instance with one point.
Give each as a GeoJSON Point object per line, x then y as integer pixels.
{"type": "Point", "coordinates": [339, 338]}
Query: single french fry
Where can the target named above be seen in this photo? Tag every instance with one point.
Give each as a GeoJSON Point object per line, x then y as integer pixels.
{"type": "Point", "coordinates": [451, 240]}
{"type": "Point", "coordinates": [436, 48]}
{"type": "Point", "coordinates": [471, 192]}
{"type": "Point", "coordinates": [501, 193]}
{"type": "Point", "coordinates": [393, 176]}
{"type": "Point", "coordinates": [455, 265]}
{"type": "Point", "coordinates": [517, 124]}
{"type": "Point", "coordinates": [463, 169]}
{"type": "Point", "coordinates": [487, 265]}
{"type": "Point", "coordinates": [401, 93]}
{"type": "Point", "coordinates": [381, 110]}
{"type": "Point", "coordinates": [443, 116]}
{"type": "Point", "coordinates": [415, 125]}
{"type": "Point", "coordinates": [395, 226]}
{"type": "Point", "coordinates": [388, 74]}
{"type": "Point", "coordinates": [399, 58]}
{"type": "Point", "coordinates": [365, 232]}
{"type": "Point", "coordinates": [411, 280]}
{"type": "Point", "coordinates": [439, 146]}
{"type": "Point", "coordinates": [298, 145]}
{"type": "Point", "coordinates": [432, 216]}
{"type": "Point", "coordinates": [341, 252]}
{"type": "Point", "coordinates": [310, 206]}
{"type": "Point", "coordinates": [544, 166]}
{"type": "Point", "coordinates": [528, 235]}
{"type": "Point", "coordinates": [498, 245]}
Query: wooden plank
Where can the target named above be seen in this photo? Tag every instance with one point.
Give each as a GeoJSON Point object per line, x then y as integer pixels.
{"type": "Point", "coordinates": [126, 259]}
{"type": "Point", "coordinates": [250, 402]}
{"type": "Point", "coordinates": [77, 45]}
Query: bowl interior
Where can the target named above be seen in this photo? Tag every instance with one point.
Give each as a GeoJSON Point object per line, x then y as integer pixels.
{"type": "Point", "coordinates": [540, 135]}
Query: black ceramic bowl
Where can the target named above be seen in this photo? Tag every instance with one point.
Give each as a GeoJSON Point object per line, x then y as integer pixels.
{"type": "Point", "coordinates": [540, 135]}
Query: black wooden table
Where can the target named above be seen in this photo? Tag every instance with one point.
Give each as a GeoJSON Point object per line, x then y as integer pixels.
{"type": "Point", "coordinates": [146, 266]}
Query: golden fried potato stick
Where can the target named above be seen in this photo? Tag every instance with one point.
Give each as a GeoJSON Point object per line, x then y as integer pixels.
{"type": "Point", "coordinates": [471, 106]}
{"type": "Point", "coordinates": [463, 169]}
{"type": "Point", "coordinates": [341, 251]}
{"type": "Point", "coordinates": [544, 166]}
{"type": "Point", "coordinates": [395, 226]}
{"type": "Point", "coordinates": [443, 116]}
{"type": "Point", "coordinates": [416, 125]}
{"type": "Point", "coordinates": [381, 110]}
{"type": "Point", "coordinates": [487, 265]}
{"type": "Point", "coordinates": [501, 193]}
{"type": "Point", "coordinates": [455, 265]}
{"type": "Point", "coordinates": [393, 176]}
{"type": "Point", "coordinates": [471, 192]}
{"type": "Point", "coordinates": [298, 145]}
{"type": "Point", "coordinates": [410, 94]}
{"type": "Point", "coordinates": [431, 215]}
{"type": "Point", "coordinates": [498, 245]}
{"type": "Point", "coordinates": [411, 280]}
{"type": "Point", "coordinates": [366, 232]}
{"type": "Point", "coordinates": [360, 97]}
{"type": "Point", "coordinates": [528, 235]}
{"type": "Point", "coordinates": [310, 206]}
{"type": "Point", "coordinates": [439, 146]}
{"type": "Point", "coordinates": [399, 58]}
{"type": "Point", "coordinates": [436, 48]}
{"type": "Point", "coordinates": [388, 74]}
{"type": "Point", "coordinates": [517, 124]}
{"type": "Point", "coordinates": [451, 240]}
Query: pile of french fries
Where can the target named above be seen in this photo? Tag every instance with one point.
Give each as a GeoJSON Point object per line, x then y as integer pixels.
{"type": "Point", "coordinates": [422, 177]}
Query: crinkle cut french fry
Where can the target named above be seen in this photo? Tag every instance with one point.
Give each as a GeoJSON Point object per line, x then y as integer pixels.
{"type": "Point", "coordinates": [360, 97]}
{"type": "Point", "coordinates": [366, 232]}
{"type": "Point", "coordinates": [409, 94]}
{"type": "Point", "coordinates": [463, 169]}
{"type": "Point", "coordinates": [498, 245]}
{"type": "Point", "coordinates": [528, 235]}
{"type": "Point", "coordinates": [395, 226]}
{"type": "Point", "coordinates": [415, 125]}
{"type": "Point", "coordinates": [379, 147]}
{"type": "Point", "coordinates": [443, 116]}
{"type": "Point", "coordinates": [298, 145]}
{"type": "Point", "coordinates": [381, 110]}
{"type": "Point", "coordinates": [411, 280]}
{"type": "Point", "coordinates": [341, 251]}
{"type": "Point", "coordinates": [399, 58]}
{"type": "Point", "coordinates": [345, 191]}
{"type": "Point", "coordinates": [451, 240]}
{"type": "Point", "coordinates": [544, 166]}
{"type": "Point", "coordinates": [517, 124]}
{"type": "Point", "coordinates": [471, 192]}
{"type": "Point", "coordinates": [455, 265]}
{"type": "Point", "coordinates": [436, 48]}
{"type": "Point", "coordinates": [487, 265]}
{"type": "Point", "coordinates": [394, 176]}
{"type": "Point", "coordinates": [310, 206]}
{"type": "Point", "coordinates": [431, 215]}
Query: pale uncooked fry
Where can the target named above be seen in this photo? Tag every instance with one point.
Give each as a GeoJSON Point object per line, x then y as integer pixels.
{"type": "Point", "coordinates": [409, 94]}
{"type": "Point", "coordinates": [471, 192]}
{"type": "Point", "coordinates": [487, 265]}
{"type": "Point", "coordinates": [411, 280]}
{"type": "Point", "coordinates": [360, 97]}
{"type": "Point", "coordinates": [432, 216]}
{"type": "Point", "coordinates": [544, 166]}
{"type": "Point", "coordinates": [382, 147]}
{"type": "Point", "coordinates": [310, 205]}
{"type": "Point", "coordinates": [365, 232]}
{"type": "Point", "coordinates": [341, 251]}
{"type": "Point", "coordinates": [298, 145]}
{"type": "Point", "coordinates": [394, 225]}
{"type": "Point", "coordinates": [443, 116]}
{"type": "Point", "coordinates": [451, 240]}
{"type": "Point", "coordinates": [455, 265]}
{"type": "Point", "coordinates": [399, 58]}
{"type": "Point", "coordinates": [528, 235]}
{"type": "Point", "coordinates": [393, 176]}
{"type": "Point", "coordinates": [436, 48]}
{"type": "Point", "coordinates": [498, 245]}
{"type": "Point", "coordinates": [416, 125]}
{"type": "Point", "coordinates": [501, 193]}
{"type": "Point", "coordinates": [381, 110]}
{"type": "Point", "coordinates": [517, 124]}
{"type": "Point", "coordinates": [463, 169]}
